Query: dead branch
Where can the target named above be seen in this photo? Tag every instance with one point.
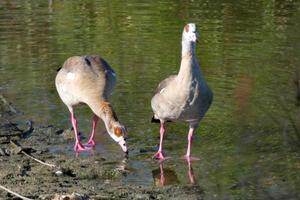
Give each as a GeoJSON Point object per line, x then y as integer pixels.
{"type": "Point", "coordinates": [21, 150]}
{"type": "Point", "coordinates": [14, 193]}
{"type": "Point", "coordinates": [37, 160]}
{"type": "Point", "coordinates": [11, 108]}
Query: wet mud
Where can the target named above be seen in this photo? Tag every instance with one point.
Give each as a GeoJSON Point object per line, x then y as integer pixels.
{"type": "Point", "coordinates": [31, 169]}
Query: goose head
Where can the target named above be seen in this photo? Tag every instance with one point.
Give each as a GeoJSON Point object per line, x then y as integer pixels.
{"type": "Point", "coordinates": [118, 133]}
{"type": "Point", "coordinates": [190, 33]}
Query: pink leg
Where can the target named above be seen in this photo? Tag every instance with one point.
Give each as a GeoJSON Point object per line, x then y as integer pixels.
{"type": "Point", "coordinates": [190, 140]}
{"type": "Point", "coordinates": [188, 151]}
{"type": "Point", "coordinates": [159, 154]}
{"type": "Point", "coordinates": [78, 146]}
{"type": "Point", "coordinates": [91, 142]}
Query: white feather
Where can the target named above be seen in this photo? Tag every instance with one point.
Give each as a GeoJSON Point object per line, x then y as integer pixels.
{"type": "Point", "coordinates": [70, 76]}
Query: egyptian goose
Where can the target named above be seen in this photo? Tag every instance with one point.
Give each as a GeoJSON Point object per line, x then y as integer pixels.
{"type": "Point", "coordinates": [183, 97]}
{"type": "Point", "coordinates": [90, 80]}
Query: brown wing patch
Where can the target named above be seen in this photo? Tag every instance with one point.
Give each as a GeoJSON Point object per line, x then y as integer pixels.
{"type": "Point", "coordinates": [105, 107]}
{"type": "Point", "coordinates": [118, 131]}
{"type": "Point", "coordinates": [186, 28]}
{"type": "Point", "coordinates": [108, 110]}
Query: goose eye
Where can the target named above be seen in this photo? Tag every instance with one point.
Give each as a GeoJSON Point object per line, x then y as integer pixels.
{"type": "Point", "coordinates": [118, 131]}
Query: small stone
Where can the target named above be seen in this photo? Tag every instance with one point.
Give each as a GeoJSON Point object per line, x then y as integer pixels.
{"type": "Point", "coordinates": [74, 196]}
{"type": "Point", "coordinates": [142, 196]}
{"type": "Point", "coordinates": [59, 173]}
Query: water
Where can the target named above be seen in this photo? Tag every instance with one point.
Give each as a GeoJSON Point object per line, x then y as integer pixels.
{"type": "Point", "coordinates": [249, 52]}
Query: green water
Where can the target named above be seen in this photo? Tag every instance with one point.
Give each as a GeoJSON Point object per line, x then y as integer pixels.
{"type": "Point", "coordinates": [249, 52]}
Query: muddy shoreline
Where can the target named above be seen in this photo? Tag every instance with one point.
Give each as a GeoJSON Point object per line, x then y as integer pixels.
{"type": "Point", "coordinates": [70, 177]}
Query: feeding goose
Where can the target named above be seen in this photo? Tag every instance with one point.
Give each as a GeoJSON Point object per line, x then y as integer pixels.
{"type": "Point", "coordinates": [90, 80]}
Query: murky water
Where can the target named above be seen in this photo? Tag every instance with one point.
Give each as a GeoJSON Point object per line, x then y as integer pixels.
{"type": "Point", "coordinates": [249, 52]}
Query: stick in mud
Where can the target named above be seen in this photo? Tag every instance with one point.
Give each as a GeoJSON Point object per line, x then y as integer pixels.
{"type": "Point", "coordinates": [12, 109]}
{"type": "Point", "coordinates": [30, 156]}
{"type": "Point", "coordinates": [14, 193]}
{"type": "Point", "coordinates": [37, 160]}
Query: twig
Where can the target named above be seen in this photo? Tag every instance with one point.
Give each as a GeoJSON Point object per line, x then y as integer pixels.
{"type": "Point", "coordinates": [16, 194]}
{"type": "Point", "coordinates": [21, 150]}
{"type": "Point", "coordinates": [12, 109]}
{"type": "Point", "coordinates": [37, 160]}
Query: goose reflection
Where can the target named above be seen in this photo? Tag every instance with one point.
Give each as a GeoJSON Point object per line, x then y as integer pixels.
{"type": "Point", "coordinates": [122, 166]}
{"type": "Point", "coordinates": [163, 177]}
{"type": "Point", "coordinates": [190, 171]}
{"type": "Point", "coordinates": [166, 176]}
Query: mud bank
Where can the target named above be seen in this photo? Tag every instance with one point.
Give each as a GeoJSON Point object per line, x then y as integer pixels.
{"type": "Point", "coordinates": [57, 175]}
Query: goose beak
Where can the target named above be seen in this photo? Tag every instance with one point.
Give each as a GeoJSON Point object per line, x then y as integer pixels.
{"type": "Point", "coordinates": [123, 146]}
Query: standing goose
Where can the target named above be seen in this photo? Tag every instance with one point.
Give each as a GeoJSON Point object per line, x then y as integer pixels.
{"type": "Point", "coordinates": [90, 80]}
{"type": "Point", "coordinates": [183, 97]}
